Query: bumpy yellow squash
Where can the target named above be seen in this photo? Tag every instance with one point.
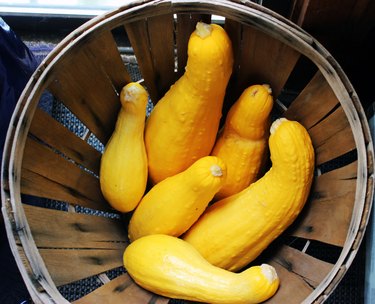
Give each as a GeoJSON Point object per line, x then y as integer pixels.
{"type": "Point", "coordinates": [174, 204]}
{"type": "Point", "coordinates": [171, 267]}
{"type": "Point", "coordinates": [234, 231]}
{"type": "Point", "coordinates": [243, 141]}
{"type": "Point", "coordinates": [183, 125]}
{"type": "Point", "coordinates": [123, 167]}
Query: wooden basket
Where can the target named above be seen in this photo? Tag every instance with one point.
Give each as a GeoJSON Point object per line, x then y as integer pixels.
{"type": "Point", "coordinates": [60, 228]}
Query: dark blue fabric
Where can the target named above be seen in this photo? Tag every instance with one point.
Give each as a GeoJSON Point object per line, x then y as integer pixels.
{"type": "Point", "coordinates": [17, 64]}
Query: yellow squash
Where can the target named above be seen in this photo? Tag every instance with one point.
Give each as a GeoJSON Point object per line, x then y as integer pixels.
{"type": "Point", "coordinates": [183, 125]}
{"type": "Point", "coordinates": [123, 167]}
{"type": "Point", "coordinates": [174, 204]}
{"type": "Point", "coordinates": [234, 231]}
{"type": "Point", "coordinates": [171, 267]}
{"type": "Point", "coordinates": [243, 141]}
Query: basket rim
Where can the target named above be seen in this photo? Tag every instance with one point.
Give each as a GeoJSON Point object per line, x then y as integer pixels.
{"type": "Point", "coordinates": [263, 19]}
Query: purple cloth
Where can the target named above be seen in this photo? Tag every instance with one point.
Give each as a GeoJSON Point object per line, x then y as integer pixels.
{"type": "Point", "coordinates": [17, 63]}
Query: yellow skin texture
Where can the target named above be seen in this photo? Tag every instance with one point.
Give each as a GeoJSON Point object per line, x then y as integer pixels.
{"type": "Point", "coordinates": [174, 204]}
{"type": "Point", "coordinates": [234, 231]}
{"type": "Point", "coordinates": [183, 125]}
{"type": "Point", "coordinates": [242, 143]}
{"type": "Point", "coordinates": [171, 267]}
{"type": "Point", "coordinates": [123, 167]}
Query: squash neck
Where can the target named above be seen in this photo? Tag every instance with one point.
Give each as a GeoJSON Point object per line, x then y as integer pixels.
{"type": "Point", "coordinates": [129, 121]}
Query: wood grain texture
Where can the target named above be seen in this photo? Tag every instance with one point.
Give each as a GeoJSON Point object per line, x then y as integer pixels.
{"type": "Point", "coordinates": [70, 265]}
{"type": "Point", "coordinates": [257, 66]}
{"type": "Point", "coordinates": [332, 137]}
{"type": "Point", "coordinates": [138, 36]}
{"type": "Point", "coordinates": [74, 230]}
{"type": "Point", "coordinates": [352, 21]}
{"type": "Point", "coordinates": [104, 52]}
{"type": "Point", "coordinates": [58, 137]}
{"type": "Point", "coordinates": [345, 172]}
{"type": "Point", "coordinates": [308, 268]}
{"type": "Point", "coordinates": [121, 290]}
{"type": "Point", "coordinates": [75, 77]}
{"type": "Point", "coordinates": [292, 290]}
{"type": "Point", "coordinates": [153, 43]}
{"type": "Point", "coordinates": [162, 45]}
{"type": "Point", "coordinates": [315, 101]}
{"type": "Point", "coordinates": [48, 174]}
{"type": "Point", "coordinates": [36, 185]}
{"type": "Point", "coordinates": [326, 216]}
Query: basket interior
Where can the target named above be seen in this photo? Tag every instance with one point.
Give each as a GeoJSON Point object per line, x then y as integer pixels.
{"type": "Point", "coordinates": [63, 219]}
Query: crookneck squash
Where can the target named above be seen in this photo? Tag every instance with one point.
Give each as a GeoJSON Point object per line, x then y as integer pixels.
{"type": "Point", "coordinates": [123, 167]}
{"type": "Point", "coordinates": [242, 143]}
{"type": "Point", "coordinates": [234, 231]}
{"type": "Point", "coordinates": [183, 124]}
{"type": "Point", "coordinates": [171, 267]}
{"type": "Point", "coordinates": [174, 204]}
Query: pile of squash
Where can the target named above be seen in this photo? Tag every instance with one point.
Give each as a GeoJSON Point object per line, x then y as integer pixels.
{"type": "Point", "coordinates": [209, 211]}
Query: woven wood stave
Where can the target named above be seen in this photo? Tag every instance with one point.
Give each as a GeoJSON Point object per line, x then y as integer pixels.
{"type": "Point", "coordinates": [85, 72]}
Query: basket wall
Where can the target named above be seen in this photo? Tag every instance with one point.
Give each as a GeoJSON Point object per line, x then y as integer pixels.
{"type": "Point", "coordinates": [47, 163]}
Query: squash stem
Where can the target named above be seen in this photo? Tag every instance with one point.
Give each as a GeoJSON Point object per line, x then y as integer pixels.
{"type": "Point", "coordinates": [268, 87]}
{"type": "Point", "coordinates": [269, 272]}
{"type": "Point", "coordinates": [276, 124]}
{"type": "Point", "coordinates": [203, 30]}
{"type": "Point", "coordinates": [216, 170]}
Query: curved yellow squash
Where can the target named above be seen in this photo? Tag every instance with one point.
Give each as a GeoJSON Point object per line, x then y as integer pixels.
{"type": "Point", "coordinates": [234, 231]}
{"type": "Point", "coordinates": [174, 204]}
{"type": "Point", "coordinates": [243, 141]}
{"type": "Point", "coordinates": [171, 267]}
{"type": "Point", "coordinates": [183, 125]}
{"type": "Point", "coordinates": [123, 167]}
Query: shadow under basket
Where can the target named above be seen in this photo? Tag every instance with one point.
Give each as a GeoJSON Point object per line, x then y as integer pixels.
{"type": "Point", "coordinates": [62, 231]}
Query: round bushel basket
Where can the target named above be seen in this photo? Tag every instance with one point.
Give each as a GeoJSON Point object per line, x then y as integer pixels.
{"type": "Point", "coordinates": [67, 240]}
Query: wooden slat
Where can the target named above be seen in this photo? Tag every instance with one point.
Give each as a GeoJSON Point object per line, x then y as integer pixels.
{"type": "Point", "coordinates": [43, 168]}
{"type": "Point", "coordinates": [292, 290]}
{"type": "Point", "coordinates": [138, 37]}
{"type": "Point", "coordinates": [259, 66]}
{"type": "Point", "coordinates": [60, 229]}
{"type": "Point", "coordinates": [332, 137]}
{"type": "Point", "coordinates": [326, 188]}
{"type": "Point", "coordinates": [185, 26]}
{"type": "Point", "coordinates": [310, 269]}
{"type": "Point", "coordinates": [326, 217]}
{"type": "Point", "coordinates": [346, 172]}
{"type": "Point", "coordinates": [37, 185]}
{"type": "Point", "coordinates": [70, 265]}
{"type": "Point", "coordinates": [233, 30]}
{"type": "Point", "coordinates": [314, 102]}
{"type": "Point", "coordinates": [74, 81]}
{"type": "Point", "coordinates": [153, 45]}
{"type": "Point", "coordinates": [353, 19]}
{"type": "Point", "coordinates": [161, 36]}
{"type": "Point", "coordinates": [121, 290]}
{"type": "Point", "coordinates": [54, 134]}
{"type": "Point", "coordinates": [104, 52]}
{"type": "Point", "coordinates": [235, 85]}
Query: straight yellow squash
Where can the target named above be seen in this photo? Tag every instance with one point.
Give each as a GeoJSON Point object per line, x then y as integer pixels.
{"type": "Point", "coordinates": [171, 267]}
{"type": "Point", "coordinates": [242, 143]}
{"type": "Point", "coordinates": [234, 231]}
{"type": "Point", "coordinates": [123, 166]}
{"type": "Point", "coordinates": [174, 204]}
{"type": "Point", "coordinates": [183, 124]}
